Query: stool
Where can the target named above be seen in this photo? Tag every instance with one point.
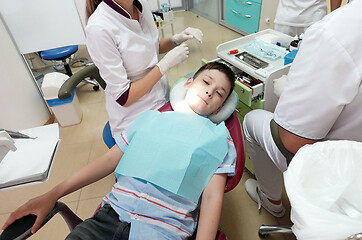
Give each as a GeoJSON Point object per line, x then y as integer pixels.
{"type": "Point", "coordinates": [107, 136]}
{"type": "Point", "coordinates": [63, 53]}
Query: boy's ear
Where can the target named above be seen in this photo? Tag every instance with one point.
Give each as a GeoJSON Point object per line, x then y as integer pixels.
{"type": "Point", "coordinates": [188, 82]}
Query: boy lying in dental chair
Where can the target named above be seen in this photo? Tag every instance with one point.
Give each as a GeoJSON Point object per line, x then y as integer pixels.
{"type": "Point", "coordinates": [164, 163]}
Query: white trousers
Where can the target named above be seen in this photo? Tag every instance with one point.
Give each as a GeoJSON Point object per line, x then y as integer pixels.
{"type": "Point", "coordinates": [268, 162]}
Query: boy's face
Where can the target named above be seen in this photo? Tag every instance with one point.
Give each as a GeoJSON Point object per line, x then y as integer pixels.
{"type": "Point", "coordinates": [207, 92]}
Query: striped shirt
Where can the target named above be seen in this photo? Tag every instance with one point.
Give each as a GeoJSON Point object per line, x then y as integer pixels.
{"type": "Point", "coordinates": [155, 213]}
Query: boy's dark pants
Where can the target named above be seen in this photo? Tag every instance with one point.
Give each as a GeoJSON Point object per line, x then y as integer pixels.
{"type": "Point", "coordinates": [105, 224]}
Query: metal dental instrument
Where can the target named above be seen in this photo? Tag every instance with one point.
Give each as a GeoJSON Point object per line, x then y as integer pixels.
{"type": "Point", "coordinates": [18, 134]}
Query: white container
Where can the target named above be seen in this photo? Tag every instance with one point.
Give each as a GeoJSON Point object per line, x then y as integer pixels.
{"type": "Point", "coordinates": [6, 144]}
{"type": "Point", "coordinates": [67, 111]}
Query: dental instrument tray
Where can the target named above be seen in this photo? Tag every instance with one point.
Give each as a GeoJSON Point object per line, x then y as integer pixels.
{"type": "Point", "coordinates": [255, 73]}
{"type": "Point", "coordinates": [251, 60]}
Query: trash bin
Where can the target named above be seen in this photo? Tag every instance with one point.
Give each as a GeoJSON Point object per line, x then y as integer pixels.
{"type": "Point", "coordinates": [67, 111]}
{"type": "Point", "coordinates": [324, 183]}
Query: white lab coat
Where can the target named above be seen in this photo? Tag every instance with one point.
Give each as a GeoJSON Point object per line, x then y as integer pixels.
{"type": "Point", "coordinates": [125, 50]}
{"type": "Point", "coordinates": [295, 16]}
{"type": "Point", "coordinates": [323, 100]}
{"type": "Point", "coordinates": [300, 13]}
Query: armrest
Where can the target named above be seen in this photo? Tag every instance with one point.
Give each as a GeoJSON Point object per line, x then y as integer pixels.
{"type": "Point", "coordinates": [275, 134]}
{"type": "Point", "coordinates": [20, 229]}
{"type": "Point", "coordinates": [68, 86]}
{"type": "Point", "coordinates": [234, 127]}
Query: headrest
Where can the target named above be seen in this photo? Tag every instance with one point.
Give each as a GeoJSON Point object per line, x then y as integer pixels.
{"type": "Point", "coordinates": [178, 93]}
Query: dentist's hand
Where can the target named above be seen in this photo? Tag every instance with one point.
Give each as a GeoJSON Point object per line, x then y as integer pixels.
{"type": "Point", "coordinates": [279, 85]}
{"type": "Point", "coordinates": [187, 34]}
{"type": "Point", "coordinates": [173, 57]}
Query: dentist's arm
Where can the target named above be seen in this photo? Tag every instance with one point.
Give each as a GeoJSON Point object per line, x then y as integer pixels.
{"type": "Point", "coordinates": [143, 85]}
{"type": "Point", "coordinates": [335, 4]}
{"type": "Point", "coordinates": [293, 142]}
{"type": "Point", "coordinates": [42, 205]}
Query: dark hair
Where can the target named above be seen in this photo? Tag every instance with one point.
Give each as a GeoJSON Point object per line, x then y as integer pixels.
{"type": "Point", "coordinates": [222, 68]}
{"type": "Point", "coordinates": [91, 6]}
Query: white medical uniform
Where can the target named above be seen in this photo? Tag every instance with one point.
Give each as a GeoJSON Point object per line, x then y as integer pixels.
{"type": "Point", "coordinates": [295, 16]}
{"type": "Point", "coordinates": [125, 50]}
{"type": "Point", "coordinates": [322, 98]}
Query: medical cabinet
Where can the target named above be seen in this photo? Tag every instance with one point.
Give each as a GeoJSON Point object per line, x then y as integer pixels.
{"type": "Point", "coordinates": [248, 16]}
{"type": "Point", "coordinates": [254, 74]}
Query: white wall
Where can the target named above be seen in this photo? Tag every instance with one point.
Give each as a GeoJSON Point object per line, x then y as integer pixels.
{"type": "Point", "coordinates": [81, 10]}
{"type": "Point", "coordinates": [38, 25]}
{"type": "Point", "coordinates": [22, 105]}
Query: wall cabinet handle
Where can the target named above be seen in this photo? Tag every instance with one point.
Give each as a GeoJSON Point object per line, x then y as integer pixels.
{"type": "Point", "coordinates": [247, 16]}
{"type": "Point", "coordinates": [249, 3]}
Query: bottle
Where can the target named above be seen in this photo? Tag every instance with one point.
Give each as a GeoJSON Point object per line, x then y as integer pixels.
{"type": "Point", "coordinates": [281, 42]}
{"type": "Point", "coordinates": [171, 13]}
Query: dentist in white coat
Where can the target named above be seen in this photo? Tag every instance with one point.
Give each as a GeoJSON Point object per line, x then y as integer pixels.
{"type": "Point", "coordinates": [123, 42]}
{"type": "Point", "coordinates": [321, 101]}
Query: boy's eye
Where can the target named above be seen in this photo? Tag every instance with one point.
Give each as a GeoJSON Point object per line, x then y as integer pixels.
{"type": "Point", "coordinates": [218, 93]}
{"type": "Point", "coordinates": [206, 82]}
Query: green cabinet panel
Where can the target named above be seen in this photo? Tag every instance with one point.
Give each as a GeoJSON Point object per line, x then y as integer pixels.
{"type": "Point", "coordinates": [242, 110]}
{"type": "Point", "coordinates": [244, 93]}
{"type": "Point", "coordinates": [244, 15]}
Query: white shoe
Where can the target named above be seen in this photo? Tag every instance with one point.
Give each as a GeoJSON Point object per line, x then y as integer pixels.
{"type": "Point", "coordinates": [251, 187]}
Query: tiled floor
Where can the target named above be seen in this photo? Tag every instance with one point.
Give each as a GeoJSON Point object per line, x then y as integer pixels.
{"type": "Point", "coordinates": [82, 143]}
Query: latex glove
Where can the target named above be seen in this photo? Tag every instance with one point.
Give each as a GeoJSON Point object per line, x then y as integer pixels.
{"type": "Point", "coordinates": [187, 34]}
{"type": "Point", "coordinates": [279, 85]}
{"type": "Point", "coordinates": [173, 57]}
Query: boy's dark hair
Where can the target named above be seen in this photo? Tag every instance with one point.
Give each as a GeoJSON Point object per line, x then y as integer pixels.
{"type": "Point", "coordinates": [222, 68]}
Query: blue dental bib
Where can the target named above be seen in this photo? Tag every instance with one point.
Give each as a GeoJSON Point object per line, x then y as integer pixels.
{"type": "Point", "coordinates": [177, 151]}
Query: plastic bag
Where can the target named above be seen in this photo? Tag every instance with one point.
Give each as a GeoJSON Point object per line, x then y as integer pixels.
{"type": "Point", "coordinates": [266, 50]}
{"type": "Point", "coordinates": [324, 183]}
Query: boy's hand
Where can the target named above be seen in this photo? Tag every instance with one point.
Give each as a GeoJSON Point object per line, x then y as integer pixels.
{"type": "Point", "coordinates": [187, 34]}
{"type": "Point", "coordinates": [39, 206]}
{"type": "Point", "coordinates": [173, 57]}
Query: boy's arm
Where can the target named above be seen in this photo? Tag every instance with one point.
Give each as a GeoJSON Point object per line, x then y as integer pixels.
{"type": "Point", "coordinates": [210, 210]}
{"type": "Point", "coordinates": [42, 205]}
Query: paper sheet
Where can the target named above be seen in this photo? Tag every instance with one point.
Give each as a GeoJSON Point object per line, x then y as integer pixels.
{"type": "Point", "coordinates": [33, 158]}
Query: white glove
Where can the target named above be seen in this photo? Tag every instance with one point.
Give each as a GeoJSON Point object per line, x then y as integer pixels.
{"type": "Point", "coordinates": [173, 57]}
{"type": "Point", "coordinates": [279, 85]}
{"type": "Point", "coordinates": [187, 34]}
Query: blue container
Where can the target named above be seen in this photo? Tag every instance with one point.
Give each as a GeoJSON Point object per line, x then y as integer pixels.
{"type": "Point", "coordinates": [290, 57]}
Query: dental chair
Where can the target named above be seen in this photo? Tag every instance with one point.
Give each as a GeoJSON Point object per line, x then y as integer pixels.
{"type": "Point", "coordinates": [62, 54]}
{"type": "Point", "coordinates": [20, 229]}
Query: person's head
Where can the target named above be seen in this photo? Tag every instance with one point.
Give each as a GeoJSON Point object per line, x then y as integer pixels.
{"type": "Point", "coordinates": [209, 88]}
{"type": "Point", "coordinates": [91, 5]}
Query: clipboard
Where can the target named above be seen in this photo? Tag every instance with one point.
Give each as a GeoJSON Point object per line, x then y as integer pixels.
{"type": "Point", "coordinates": [33, 159]}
